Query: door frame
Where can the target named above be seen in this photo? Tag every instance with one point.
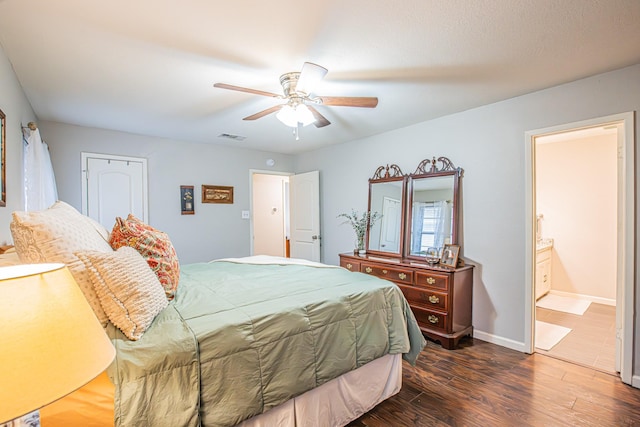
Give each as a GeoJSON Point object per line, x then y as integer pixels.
{"type": "Point", "coordinates": [260, 172]}
{"type": "Point", "coordinates": [84, 156]}
{"type": "Point", "coordinates": [625, 278]}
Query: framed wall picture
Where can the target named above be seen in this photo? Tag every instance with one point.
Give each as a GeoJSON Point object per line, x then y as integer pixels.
{"type": "Point", "coordinates": [217, 194]}
{"type": "Point", "coordinates": [449, 256]}
{"type": "Point", "coordinates": [186, 200]}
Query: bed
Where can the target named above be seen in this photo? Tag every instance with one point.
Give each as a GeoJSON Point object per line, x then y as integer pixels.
{"type": "Point", "coordinates": [255, 341]}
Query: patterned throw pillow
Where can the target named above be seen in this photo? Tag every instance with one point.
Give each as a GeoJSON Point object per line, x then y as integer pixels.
{"type": "Point", "coordinates": [154, 246]}
{"type": "Point", "coordinates": [129, 292]}
{"type": "Point", "coordinates": [55, 235]}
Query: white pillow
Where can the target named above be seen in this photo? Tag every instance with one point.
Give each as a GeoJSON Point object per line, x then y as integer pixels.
{"type": "Point", "coordinates": [128, 289]}
{"type": "Point", "coordinates": [55, 235]}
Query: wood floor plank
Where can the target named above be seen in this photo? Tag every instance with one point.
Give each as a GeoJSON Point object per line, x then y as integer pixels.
{"type": "Point", "coordinates": [482, 384]}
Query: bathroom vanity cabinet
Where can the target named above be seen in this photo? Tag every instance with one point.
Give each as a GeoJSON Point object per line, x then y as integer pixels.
{"type": "Point", "coordinates": [543, 268]}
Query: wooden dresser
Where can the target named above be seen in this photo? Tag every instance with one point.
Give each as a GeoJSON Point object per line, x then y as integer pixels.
{"type": "Point", "coordinates": [440, 297]}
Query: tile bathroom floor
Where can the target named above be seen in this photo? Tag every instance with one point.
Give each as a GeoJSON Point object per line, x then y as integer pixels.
{"type": "Point", "coordinates": [591, 341]}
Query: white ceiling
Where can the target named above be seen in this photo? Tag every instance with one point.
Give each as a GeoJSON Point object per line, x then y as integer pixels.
{"type": "Point", "coordinates": [148, 66]}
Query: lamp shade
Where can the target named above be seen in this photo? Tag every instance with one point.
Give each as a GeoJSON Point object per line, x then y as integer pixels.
{"type": "Point", "coordinates": [287, 115]}
{"type": "Point", "coordinates": [52, 343]}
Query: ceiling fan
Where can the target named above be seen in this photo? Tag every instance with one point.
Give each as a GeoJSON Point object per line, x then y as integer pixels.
{"type": "Point", "coordinates": [298, 110]}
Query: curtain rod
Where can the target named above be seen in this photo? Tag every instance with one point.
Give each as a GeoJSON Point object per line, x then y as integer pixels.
{"type": "Point", "coordinates": [31, 126]}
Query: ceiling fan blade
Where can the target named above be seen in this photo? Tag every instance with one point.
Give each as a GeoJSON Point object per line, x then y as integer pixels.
{"type": "Point", "coordinates": [244, 89]}
{"type": "Point", "coordinates": [321, 121]}
{"type": "Point", "coordinates": [349, 101]}
{"type": "Point", "coordinates": [310, 75]}
{"type": "Point", "coordinates": [263, 113]}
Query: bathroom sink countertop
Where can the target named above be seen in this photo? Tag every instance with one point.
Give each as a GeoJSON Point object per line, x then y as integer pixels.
{"type": "Point", "coordinates": [544, 244]}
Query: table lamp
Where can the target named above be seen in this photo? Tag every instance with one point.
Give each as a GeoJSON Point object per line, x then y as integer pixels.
{"type": "Point", "coordinates": [52, 343]}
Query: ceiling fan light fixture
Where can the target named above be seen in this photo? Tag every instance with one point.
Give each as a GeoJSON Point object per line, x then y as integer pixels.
{"type": "Point", "coordinates": [299, 110]}
{"type": "Point", "coordinates": [304, 115]}
{"type": "Point", "coordinates": [291, 116]}
{"type": "Point", "coordinates": [287, 115]}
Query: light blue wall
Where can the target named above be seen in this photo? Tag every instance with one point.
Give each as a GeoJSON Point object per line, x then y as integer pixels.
{"type": "Point", "coordinates": [216, 230]}
{"type": "Point", "coordinates": [16, 107]}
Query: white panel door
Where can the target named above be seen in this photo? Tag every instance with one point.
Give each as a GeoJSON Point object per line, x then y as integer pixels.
{"type": "Point", "coordinates": [114, 186]}
{"type": "Point", "coordinates": [304, 193]}
{"type": "Point", "coordinates": [390, 225]}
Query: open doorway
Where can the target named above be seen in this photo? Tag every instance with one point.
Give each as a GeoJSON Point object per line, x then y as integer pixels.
{"type": "Point", "coordinates": [270, 214]}
{"type": "Point", "coordinates": [285, 214]}
{"type": "Point", "coordinates": [562, 241]}
{"type": "Point", "coordinates": [576, 246]}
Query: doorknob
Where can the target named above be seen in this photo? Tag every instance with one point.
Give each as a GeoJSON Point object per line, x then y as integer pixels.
{"type": "Point", "coordinates": [316, 237]}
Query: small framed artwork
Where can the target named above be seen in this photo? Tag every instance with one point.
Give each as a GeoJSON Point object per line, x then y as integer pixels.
{"type": "Point", "coordinates": [217, 194]}
{"type": "Point", "coordinates": [449, 256]}
{"type": "Point", "coordinates": [186, 200]}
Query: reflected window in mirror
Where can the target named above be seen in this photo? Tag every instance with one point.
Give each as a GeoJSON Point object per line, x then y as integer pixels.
{"type": "Point", "coordinates": [432, 214]}
{"type": "Point", "coordinates": [386, 196]}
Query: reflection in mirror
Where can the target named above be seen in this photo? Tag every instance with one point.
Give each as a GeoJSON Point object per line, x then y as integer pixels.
{"type": "Point", "coordinates": [386, 198]}
{"type": "Point", "coordinates": [432, 207]}
{"type": "Point", "coordinates": [432, 213]}
{"type": "Point", "coordinates": [3, 185]}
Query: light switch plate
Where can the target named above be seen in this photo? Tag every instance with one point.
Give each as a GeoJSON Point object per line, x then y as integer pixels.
{"type": "Point", "coordinates": [245, 214]}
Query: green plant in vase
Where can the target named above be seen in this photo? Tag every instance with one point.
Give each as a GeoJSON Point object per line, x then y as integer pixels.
{"type": "Point", "coordinates": [360, 222]}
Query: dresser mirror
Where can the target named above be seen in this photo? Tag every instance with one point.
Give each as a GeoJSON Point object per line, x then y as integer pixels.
{"type": "Point", "coordinates": [433, 198]}
{"type": "Point", "coordinates": [432, 213]}
{"type": "Point", "coordinates": [386, 196]}
{"type": "Point", "coordinates": [419, 210]}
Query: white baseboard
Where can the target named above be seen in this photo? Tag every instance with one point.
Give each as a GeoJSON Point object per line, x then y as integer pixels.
{"type": "Point", "coordinates": [635, 381]}
{"type": "Point", "coordinates": [597, 300]}
{"type": "Point", "coordinates": [494, 339]}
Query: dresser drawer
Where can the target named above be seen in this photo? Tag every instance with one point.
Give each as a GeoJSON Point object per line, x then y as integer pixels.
{"type": "Point", "coordinates": [349, 264]}
{"type": "Point", "coordinates": [389, 273]}
{"type": "Point", "coordinates": [425, 297]}
{"type": "Point", "coordinates": [433, 280]}
{"type": "Point", "coordinates": [430, 319]}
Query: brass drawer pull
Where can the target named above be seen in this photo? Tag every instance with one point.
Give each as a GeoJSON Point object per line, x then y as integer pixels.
{"type": "Point", "coordinates": [433, 319]}
{"type": "Point", "coordinates": [434, 299]}
{"type": "Point", "coordinates": [431, 280]}
{"type": "Point", "coordinates": [368, 269]}
{"type": "Point", "coordinates": [384, 271]}
{"type": "Point", "coordinates": [402, 276]}
{"type": "Point", "coordinates": [349, 266]}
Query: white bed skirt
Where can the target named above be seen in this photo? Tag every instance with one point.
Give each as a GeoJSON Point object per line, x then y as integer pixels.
{"type": "Point", "coordinates": [339, 401]}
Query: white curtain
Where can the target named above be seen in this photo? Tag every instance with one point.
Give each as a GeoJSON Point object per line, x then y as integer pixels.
{"type": "Point", "coordinates": [441, 217]}
{"type": "Point", "coordinates": [417, 223]}
{"type": "Point", "coordinates": [40, 183]}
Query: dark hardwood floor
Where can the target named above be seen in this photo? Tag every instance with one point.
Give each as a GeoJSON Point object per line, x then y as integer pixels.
{"type": "Point", "coordinates": [483, 384]}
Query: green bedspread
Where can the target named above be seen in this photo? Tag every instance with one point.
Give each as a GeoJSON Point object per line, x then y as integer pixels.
{"type": "Point", "coordinates": [240, 339]}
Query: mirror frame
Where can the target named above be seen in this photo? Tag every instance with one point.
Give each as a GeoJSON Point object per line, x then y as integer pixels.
{"type": "Point", "coordinates": [389, 174]}
{"type": "Point", "coordinates": [429, 169]}
{"type": "Point", "coordinates": [3, 137]}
